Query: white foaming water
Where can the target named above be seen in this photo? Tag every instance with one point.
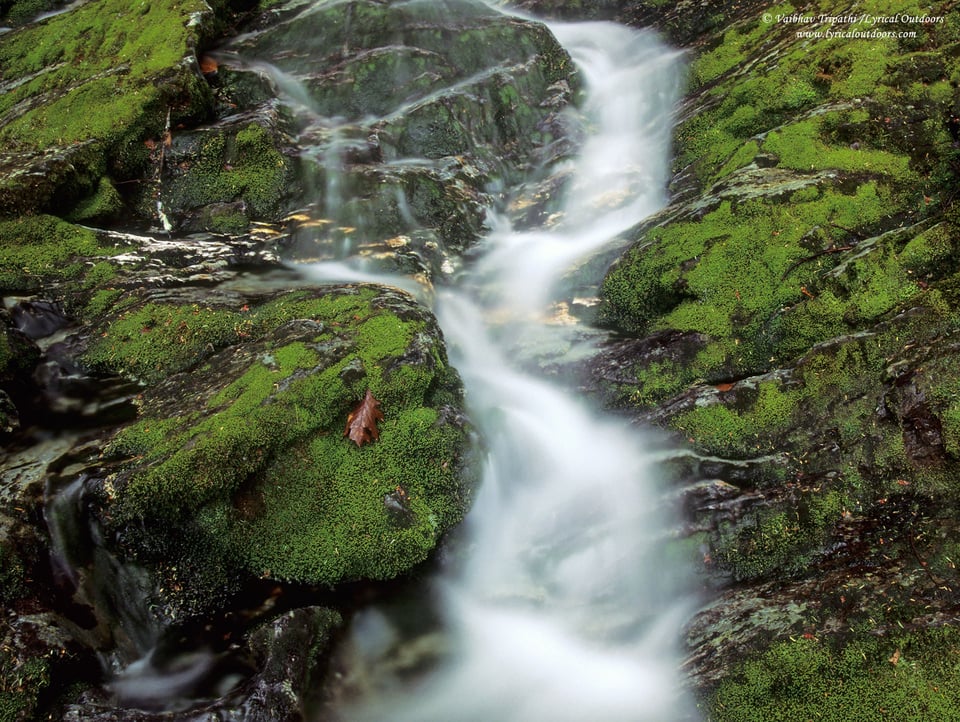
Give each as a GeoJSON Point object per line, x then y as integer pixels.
{"type": "Point", "coordinates": [566, 607]}
{"type": "Point", "coordinates": [621, 171]}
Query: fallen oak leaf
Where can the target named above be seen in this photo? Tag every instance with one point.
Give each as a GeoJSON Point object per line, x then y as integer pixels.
{"type": "Point", "coordinates": [362, 421]}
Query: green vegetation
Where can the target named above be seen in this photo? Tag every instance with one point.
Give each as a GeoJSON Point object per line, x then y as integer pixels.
{"type": "Point", "coordinates": [21, 683]}
{"type": "Point", "coordinates": [37, 249]}
{"type": "Point", "coordinates": [259, 473]}
{"type": "Point", "coordinates": [725, 431]}
{"type": "Point", "coordinates": [781, 540]}
{"type": "Point", "coordinates": [149, 341]}
{"type": "Point", "coordinates": [85, 89]}
{"type": "Point", "coordinates": [17, 12]}
{"type": "Point", "coordinates": [324, 516]}
{"type": "Point", "coordinates": [815, 283]}
{"type": "Point", "coordinates": [853, 141]}
{"type": "Point", "coordinates": [245, 166]}
{"type": "Point", "coordinates": [73, 57]}
{"type": "Point", "coordinates": [900, 677]}
{"type": "Point", "coordinates": [104, 204]}
{"type": "Point", "coordinates": [745, 272]}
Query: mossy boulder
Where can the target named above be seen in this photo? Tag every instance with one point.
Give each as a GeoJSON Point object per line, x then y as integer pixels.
{"type": "Point", "coordinates": [238, 467]}
{"type": "Point", "coordinates": [803, 227]}
{"type": "Point", "coordinates": [221, 177]}
{"type": "Point", "coordinates": [37, 252]}
{"type": "Point", "coordinates": [84, 89]}
{"type": "Point", "coordinates": [19, 12]}
{"type": "Point", "coordinates": [408, 118]}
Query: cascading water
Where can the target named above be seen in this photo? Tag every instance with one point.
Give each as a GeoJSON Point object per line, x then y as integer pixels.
{"type": "Point", "coordinates": [565, 606]}
{"type": "Point", "coordinates": [561, 601]}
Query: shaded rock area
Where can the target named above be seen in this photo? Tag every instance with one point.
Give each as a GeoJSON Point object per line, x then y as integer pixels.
{"type": "Point", "coordinates": [185, 524]}
{"type": "Point", "coordinates": [408, 131]}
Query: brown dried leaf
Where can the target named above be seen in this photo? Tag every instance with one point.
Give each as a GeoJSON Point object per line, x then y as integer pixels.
{"type": "Point", "coordinates": [208, 65]}
{"type": "Point", "coordinates": [362, 421]}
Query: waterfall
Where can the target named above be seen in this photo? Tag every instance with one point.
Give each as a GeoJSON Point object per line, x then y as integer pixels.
{"type": "Point", "coordinates": [565, 604]}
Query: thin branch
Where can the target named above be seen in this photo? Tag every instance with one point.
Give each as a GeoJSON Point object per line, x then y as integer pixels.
{"type": "Point", "coordinates": [833, 249]}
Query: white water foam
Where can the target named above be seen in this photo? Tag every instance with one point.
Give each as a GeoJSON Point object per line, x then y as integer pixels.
{"type": "Point", "coordinates": [567, 607]}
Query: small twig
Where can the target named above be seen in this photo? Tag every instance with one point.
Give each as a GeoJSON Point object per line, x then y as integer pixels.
{"type": "Point", "coordinates": [815, 256]}
{"type": "Point", "coordinates": [923, 563]}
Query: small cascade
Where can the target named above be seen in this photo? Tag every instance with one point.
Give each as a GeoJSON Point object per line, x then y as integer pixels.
{"type": "Point", "coordinates": [564, 603]}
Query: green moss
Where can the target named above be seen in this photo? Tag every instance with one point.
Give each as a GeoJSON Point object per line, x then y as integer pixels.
{"type": "Point", "coordinates": [908, 677]}
{"type": "Point", "coordinates": [154, 340]}
{"type": "Point", "coordinates": [98, 274]}
{"type": "Point", "coordinates": [761, 75]}
{"type": "Point", "coordinates": [244, 167]}
{"type": "Point", "coordinates": [262, 470]}
{"type": "Point", "coordinates": [721, 430]}
{"type": "Point", "coordinates": [85, 88]}
{"type": "Point", "coordinates": [932, 251]}
{"type": "Point", "coordinates": [100, 303]}
{"type": "Point", "coordinates": [742, 157]}
{"type": "Point", "coordinates": [345, 530]}
{"type": "Point", "coordinates": [951, 428]}
{"type": "Point", "coordinates": [104, 204]}
{"type": "Point", "coordinates": [731, 274]}
{"type": "Point", "coordinates": [731, 51]}
{"type": "Point", "coordinates": [659, 381]}
{"type": "Point", "coordinates": [74, 57]}
{"type": "Point", "coordinates": [35, 249]}
{"type": "Point", "coordinates": [21, 683]}
{"type": "Point", "coordinates": [782, 539]}
{"type": "Point", "coordinates": [799, 146]}
{"type": "Point", "coordinates": [17, 12]}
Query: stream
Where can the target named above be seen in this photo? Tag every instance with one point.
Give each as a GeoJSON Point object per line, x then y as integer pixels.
{"type": "Point", "coordinates": [560, 598]}
{"type": "Point", "coordinates": [564, 604]}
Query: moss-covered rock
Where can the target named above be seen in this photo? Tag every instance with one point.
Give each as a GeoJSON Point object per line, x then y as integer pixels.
{"type": "Point", "coordinates": [220, 178]}
{"type": "Point", "coordinates": [408, 116]}
{"type": "Point", "coordinates": [791, 318]}
{"type": "Point", "coordinates": [19, 12]}
{"type": "Point", "coordinates": [40, 250]}
{"type": "Point", "coordinates": [907, 676]}
{"type": "Point", "coordinates": [241, 449]}
{"type": "Point", "coordinates": [85, 88]}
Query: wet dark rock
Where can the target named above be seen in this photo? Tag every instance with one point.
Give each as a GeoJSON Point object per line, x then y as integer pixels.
{"type": "Point", "coordinates": [406, 123]}
{"type": "Point", "coordinates": [288, 651]}
{"type": "Point", "coordinates": [38, 319]}
{"type": "Point", "coordinates": [224, 176]}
